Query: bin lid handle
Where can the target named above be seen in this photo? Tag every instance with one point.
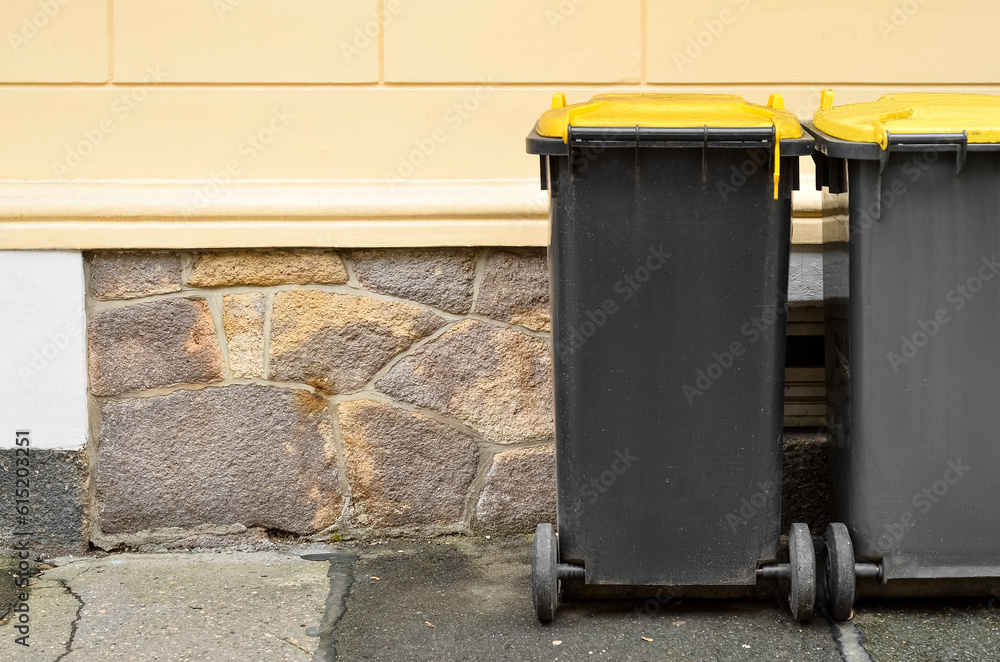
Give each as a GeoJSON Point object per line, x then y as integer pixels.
{"type": "Point", "coordinates": [774, 102]}
{"type": "Point", "coordinates": [777, 159]}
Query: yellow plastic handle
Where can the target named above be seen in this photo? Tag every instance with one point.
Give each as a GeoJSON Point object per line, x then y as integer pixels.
{"type": "Point", "coordinates": [777, 159]}
{"type": "Point", "coordinates": [826, 99]}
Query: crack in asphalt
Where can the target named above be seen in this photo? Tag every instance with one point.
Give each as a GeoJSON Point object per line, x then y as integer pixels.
{"type": "Point", "coordinates": [850, 641]}
{"type": "Point", "coordinates": [76, 619]}
{"type": "Point", "coordinates": [341, 580]}
{"type": "Point", "coordinates": [290, 643]}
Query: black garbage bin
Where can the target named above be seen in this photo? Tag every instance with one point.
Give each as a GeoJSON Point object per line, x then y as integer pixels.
{"type": "Point", "coordinates": [913, 365]}
{"type": "Point", "coordinates": [669, 254]}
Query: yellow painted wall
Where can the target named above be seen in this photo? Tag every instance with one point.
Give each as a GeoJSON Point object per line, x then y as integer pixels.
{"type": "Point", "coordinates": [416, 98]}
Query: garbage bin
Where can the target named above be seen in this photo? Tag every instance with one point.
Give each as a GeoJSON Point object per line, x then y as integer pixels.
{"type": "Point", "coordinates": [670, 219]}
{"type": "Point", "coordinates": [913, 367]}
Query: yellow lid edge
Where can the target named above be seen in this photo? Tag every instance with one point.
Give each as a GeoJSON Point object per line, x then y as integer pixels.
{"type": "Point", "coordinates": [867, 122]}
{"type": "Point", "coordinates": [555, 122]}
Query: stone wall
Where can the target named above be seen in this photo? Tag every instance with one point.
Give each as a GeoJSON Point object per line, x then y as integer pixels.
{"type": "Point", "coordinates": [313, 393]}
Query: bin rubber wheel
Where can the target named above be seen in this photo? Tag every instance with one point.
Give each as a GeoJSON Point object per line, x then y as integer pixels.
{"type": "Point", "coordinates": [840, 579]}
{"type": "Point", "coordinates": [544, 581]}
{"type": "Point", "coordinates": [802, 558]}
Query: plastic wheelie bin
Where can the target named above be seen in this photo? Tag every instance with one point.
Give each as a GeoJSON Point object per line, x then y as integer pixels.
{"type": "Point", "coordinates": [913, 365]}
{"type": "Point", "coordinates": [670, 220]}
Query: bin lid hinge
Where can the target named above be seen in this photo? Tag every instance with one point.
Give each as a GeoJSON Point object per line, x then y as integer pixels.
{"type": "Point", "coordinates": [883, 161]}
{"type": "Point", "coordinates": [962, 150]}
{"type": "Point", "coordinates": [638, 131]}
{"type": "Point", "coordinates": [878, 189]}
{"type": "Point", "coordinates": [704, 154]}
{"type": "Point", "coordinates": [569, 150]}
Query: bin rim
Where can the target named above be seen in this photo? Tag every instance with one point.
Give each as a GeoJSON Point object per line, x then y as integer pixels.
{"type": "Point", "coordinates": [673, 119]}
{"type": "Point", "coordinates": [840, 148]}
{"type": "Point", "coordinates": [551, 146]}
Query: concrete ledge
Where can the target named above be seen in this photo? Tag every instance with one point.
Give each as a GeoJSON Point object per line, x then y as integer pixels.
{"type": "Point", "coordinates": [203, 214]}
{"type": "Point", "coordinates": [179, 214]}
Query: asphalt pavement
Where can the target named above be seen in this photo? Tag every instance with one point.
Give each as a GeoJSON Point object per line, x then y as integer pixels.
{"type": "Point", "coordinates": [446, 599]}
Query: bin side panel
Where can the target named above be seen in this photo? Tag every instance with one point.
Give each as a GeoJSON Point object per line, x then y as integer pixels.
{"type": "Point", "coordinates": [669, 288]}
{"type": "Point", "coordinates": [917, 474]}
{"type": "Point", "coordinates": [836, 261]}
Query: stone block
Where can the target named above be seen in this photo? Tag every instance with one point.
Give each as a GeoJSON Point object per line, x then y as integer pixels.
{"type": "Point", "coordinates": [519, 492]}
{"type": "Point", "coordinates": [515, 288]}
{"type": "Point", "coordinates": [337, 342]}
{"type": "Point", "coordinates": [131, 274]}
{"type": "Point", "coordinates": [150, 344]}
{"type": "Point", "coordinates": [405, 469]}
{"type": "Point", "coordinates": [240, 454]}
{"type": "Point", "coordinates": [243, 318]}
{"type": "Point", "coordinates": [437, 277]}
{"type": "Point", "coordinates": [496, 380]}
{"type": "Point", "coordinates": [264, 268]}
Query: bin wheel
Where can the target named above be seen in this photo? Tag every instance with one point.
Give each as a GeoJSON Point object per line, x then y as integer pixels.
{"type": "Point", "coordinates": [544, 580]}
{"type": "Point", "coordinates": [840, 579]}
{"type": "Point", "coordinates": [802, 558]}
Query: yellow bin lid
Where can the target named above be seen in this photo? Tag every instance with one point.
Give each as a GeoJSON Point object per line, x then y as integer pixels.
{"type": "Point", "coordinates": [976, 114]}
{"type": "Point", "coordinates": [667, 111]}
{"type": "Point", "coordinates": [671, 111]}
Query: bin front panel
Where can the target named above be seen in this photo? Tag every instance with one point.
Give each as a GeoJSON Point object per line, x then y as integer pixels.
{"type": "Point", "coordinates": [917, 465]}
{"type": "Point", "coordinates": [669, 278]}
